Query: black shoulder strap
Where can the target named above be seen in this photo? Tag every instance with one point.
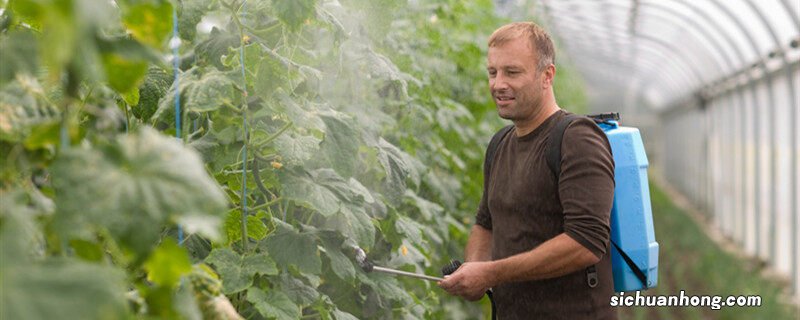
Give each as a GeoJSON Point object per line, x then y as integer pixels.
{"type": "Point", "coordinates": [553, 156]}
{"type": "Point", "coordinates": [492, 149]}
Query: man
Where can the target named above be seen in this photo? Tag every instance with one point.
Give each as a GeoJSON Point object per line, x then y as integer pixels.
{"type": "Point", "coordinates": [537, 235]}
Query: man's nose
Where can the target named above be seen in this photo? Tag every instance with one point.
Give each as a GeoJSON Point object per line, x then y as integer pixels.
{"type": "Point", "coordinates": [498, 82]}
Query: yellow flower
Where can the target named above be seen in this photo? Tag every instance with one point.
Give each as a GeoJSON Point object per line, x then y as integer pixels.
{"type": "Point", "coordinates": [277, 165]}
{"type": "Point", "coordinates": [404, 250]}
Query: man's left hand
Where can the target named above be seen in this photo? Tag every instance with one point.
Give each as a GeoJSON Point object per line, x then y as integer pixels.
{"type": "Point", "coordinates": [470, 281]}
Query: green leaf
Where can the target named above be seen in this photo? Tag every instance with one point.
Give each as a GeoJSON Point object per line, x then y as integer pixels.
{"type": "Point", "coordinates": [210, 92]}
{"type": "Point", "coordinates": [215, 46]}
{"type": "Point", "coordinates": [62, 289]}
{"type": "Point", "coordinates": [256, 229]}
{"type": "Point", "coordinates": [20, 236]}
{"type": "Point", "coordinates": [271, 74]}
{"type": "Point", "coordinates": [429, 210]}
{"type": "Point", "coordinates": [396, 166]}
{"type": "Point", "coordinates": [167, 264]}
{"type": "Point", "coordinates": [341, 142]}
{"type": "Point", "coordinates": [203, 225]}
{"type": "Point", "coordinates": [86, 250]}
{"type": "Point", "coordinates": [301, 187]}
{"type": "Point", "coordinates": [299, 115]}
{"type": "Point", "coordinates": [139, 183]}
{"type": "Point", "coordinates": [237, 271]}
{"type": "Point", "coordinates": [341, 315]}
{"type": "Point", "coordinates": [190, 12]}
{"type": "Point", "coordinates": [125, 62]}
{"type": "Point", "coordinates": [131, 97]}
{"type": "Point", "coordinates": [297, 290]}
{"type": "Point", "coordinates": [18, 54]}
{"type": "Point", "coordinates": [410, 228]}
{"type": "Point", "coordinates": [295, 150]}
{"type": "Point", "coordinates": [294, 13]}
{"type": "Point", "coordinates": [273, 304]}
{"type": "Point", "coordinates": [361, 191]}
{"type": "Point", "coordinates": [149, 22]}
{"type": "Point", "coordinates": [291, 248]}
{"type": "Point", "coordinates": [341, 265]}
{"type": "Point", "coordinates": [23, 111]}
{"type": "Point", "coordinates": [156, 85]}
{"type": "Point", "coordinates": [355, 223]}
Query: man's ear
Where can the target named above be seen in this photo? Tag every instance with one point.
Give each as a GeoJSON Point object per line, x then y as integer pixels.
{"type": "Point", "coordinates": [549, 75]}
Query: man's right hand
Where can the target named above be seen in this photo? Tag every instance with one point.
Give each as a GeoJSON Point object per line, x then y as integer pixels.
{"type": "Point", "coordinates": [470, 281]}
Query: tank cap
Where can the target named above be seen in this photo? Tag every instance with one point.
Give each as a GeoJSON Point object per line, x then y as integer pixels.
{"type": "Point", "coordinates": [602, 117]}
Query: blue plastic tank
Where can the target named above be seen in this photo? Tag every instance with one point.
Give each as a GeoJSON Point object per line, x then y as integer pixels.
{"type": "Point", "coordinates": [631, 215]}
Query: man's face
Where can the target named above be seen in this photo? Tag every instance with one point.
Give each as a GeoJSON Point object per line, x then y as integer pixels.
{"type": "Point", "coordinates": [514, 81]}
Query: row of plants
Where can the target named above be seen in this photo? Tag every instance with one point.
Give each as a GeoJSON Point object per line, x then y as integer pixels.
{"type": "Point", "coordinates": [305, 129]}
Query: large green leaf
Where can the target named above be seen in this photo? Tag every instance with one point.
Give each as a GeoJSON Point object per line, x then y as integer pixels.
{"type": "Point", "coordinates": [18, 54]}
{"type": "Point", "coordinates": [301, 187]}
{"type": "Point", "coordinates": [23, 109]}
{"type": "Point", "coordinates": [124, 61]}
{"type": "Point", "coordinates": [296, 150]}
{"type": "Point", "coordinates": [355, 223]}
{"type": "Point", "coordinates": [149, 22]}
{"type": "Point", "coordinates": [289, 247]}
{"type": "Point", "coordinates": [168, 264]}
{"type": "Point", "coordinates": [137, 184]}
{"type": "Point", "coordinates": [396, 166]}
{"type": "Point", "coordinates": [428, 209]}
{"type": "Point", "coordinates": [210, 92]}
{"type": "Point", "coordinates": [273, 304]}
{"type": "Point", "coordinates": [237, 271]}
{"type": "Point", "coordinates": [297, 290]}
{"type": "Point", "coordinates": [190, 12]}
{"type": "Point", "coordinates": [341, 265]}
{"type": "Point", "coordinates": [271, 74]}
{"type": "Point", "coordinates": [410, 228]}
{"type": "Point", "coordinates": [62, 289]}
{"type": "Point", "coordinates": [341, 142]}
{"type": "Point", "coordinates": [294, 13]}
{"type": "Point", "coordinates": [299, 111]}
{"type": "Point", "coordinates": [217, 44]}
{"type": "Point", "coordinates": [256, 229]}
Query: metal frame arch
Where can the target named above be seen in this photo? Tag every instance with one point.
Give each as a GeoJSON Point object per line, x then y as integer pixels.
{"type": "Point", "coordinates": [674, 85]}
{"type": "Point", "coordinates": [714, 43]}
{"type": "Point", "coordinates": [691, 73]}
{"type": "Point", "coordinates": [671, 17]}
{"type": "Point", "coordinates": [655, 17]}
{"type": "Point", "coordinates": [666, 46]}
{"type": "Point", "coordinates": [792, 14]}
{"type": "Point", "coordinates": [653, 67]}
{"type": "Point", "coordinates": [636, 63]}
{"type": "Point", "coordinates": [602, 57]}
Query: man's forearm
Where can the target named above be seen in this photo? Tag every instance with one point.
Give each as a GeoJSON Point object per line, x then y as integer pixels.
{"type": "Point", "coordinates": [554, 258]}
{"type": "Point", "coordinates": [479, 245]}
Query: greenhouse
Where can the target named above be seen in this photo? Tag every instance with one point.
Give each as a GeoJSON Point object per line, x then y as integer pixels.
{"type": "Point", "coordinates": [333, 159]}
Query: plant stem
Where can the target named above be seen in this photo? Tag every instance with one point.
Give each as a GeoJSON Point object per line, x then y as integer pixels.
{"type": "Point", "coordinates": [264, 205]}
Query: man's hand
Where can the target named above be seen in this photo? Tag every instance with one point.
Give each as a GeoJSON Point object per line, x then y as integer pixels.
{"type": "Point", "coordinates": [470, 281]}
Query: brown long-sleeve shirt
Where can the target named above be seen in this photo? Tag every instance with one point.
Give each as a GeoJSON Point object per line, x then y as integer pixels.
{"type": "Point", "coordinates": [523, 207]}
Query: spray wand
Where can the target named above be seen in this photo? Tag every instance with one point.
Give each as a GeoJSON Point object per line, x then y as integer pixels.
{"type": "Point", "coordinates": [368, 266]}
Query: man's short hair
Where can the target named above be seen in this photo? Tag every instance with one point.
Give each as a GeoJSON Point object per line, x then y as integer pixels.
{"type": "Point", "coordinates": [538, 37]}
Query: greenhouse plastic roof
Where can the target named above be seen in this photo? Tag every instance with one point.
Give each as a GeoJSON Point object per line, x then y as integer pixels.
{"type": "Point", "coordinates": [658, 53]}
